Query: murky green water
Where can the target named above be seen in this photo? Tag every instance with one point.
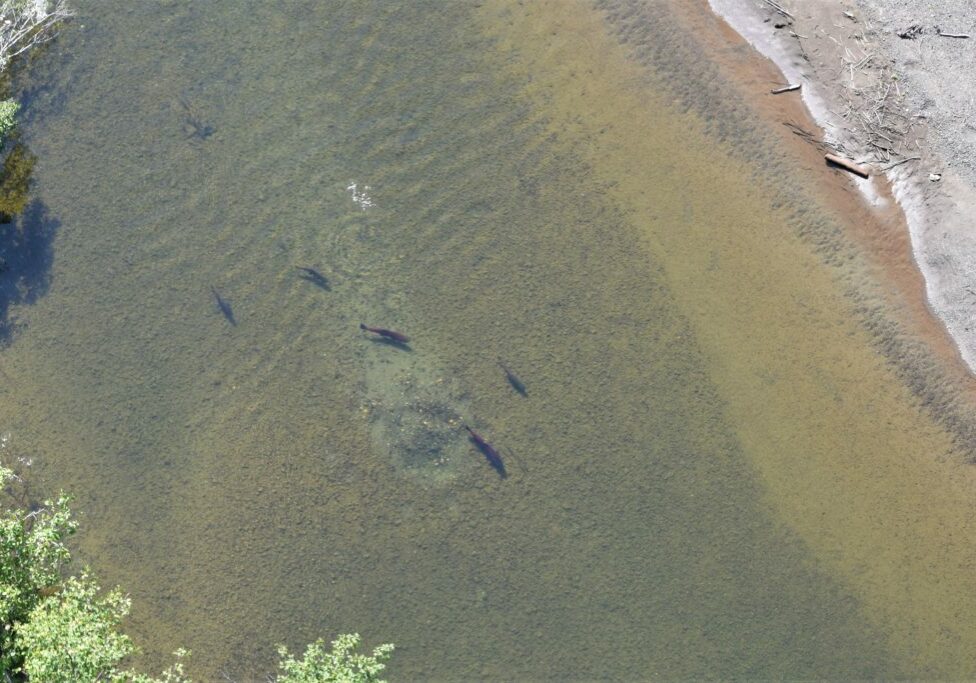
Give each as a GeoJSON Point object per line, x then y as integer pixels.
{"type": "Point", "coordinates": [288, 478]}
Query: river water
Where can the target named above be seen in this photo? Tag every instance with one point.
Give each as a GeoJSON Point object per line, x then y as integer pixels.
{"type": "Point", "coordinates": [716, 469]}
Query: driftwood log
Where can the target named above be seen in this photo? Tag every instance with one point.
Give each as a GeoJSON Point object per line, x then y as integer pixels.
{"type": "Point", "coordinates": [847, 165]}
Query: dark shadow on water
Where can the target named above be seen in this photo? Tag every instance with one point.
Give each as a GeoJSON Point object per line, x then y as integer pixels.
{"type": "Point", "coordinates": [223, 306]}
{"type": "Point", "coordinates": [26, 256]}
{"type": "Point", "coordinates": [516, 383]}
{"type": "Point", "coordinates": [32, 80]}
{"type": "Point", "coordinates": [194, 127]}
{"type": "Point", "coordinates": [315, 277]}
{"type": "Point", "coordinates": [401, 346]}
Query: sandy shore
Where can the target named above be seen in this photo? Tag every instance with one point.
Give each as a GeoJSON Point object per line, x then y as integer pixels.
{"type": "Point", "coordinates": [891, 90]}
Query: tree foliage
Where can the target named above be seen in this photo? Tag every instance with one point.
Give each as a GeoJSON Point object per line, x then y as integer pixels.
{"type": "Point", "coordinates": [53, 629]}
{"type": "Point", "coordinates": [27, 23]}
{"type": "Point", "coordinates": [8, 118]}
{"type": "Point", "coordinates": [72, 635]}
{"type": "Point", "coordinates": [61, 628]}
{"type": "Point", "coordinates": [24, 24]}
{"type": "Point", "coordinates": [341, 665]}
{"type": "Point", "coordinates": [32, 552]}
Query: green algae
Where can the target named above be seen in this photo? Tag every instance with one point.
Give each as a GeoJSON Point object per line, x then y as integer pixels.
{"type": "Point", "coordinates": [15, 177]}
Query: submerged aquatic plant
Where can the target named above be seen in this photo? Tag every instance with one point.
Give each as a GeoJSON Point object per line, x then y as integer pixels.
{"type": "Point", "coordinates": [15, 181]}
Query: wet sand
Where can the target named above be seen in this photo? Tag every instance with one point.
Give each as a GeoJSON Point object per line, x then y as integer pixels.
{"type": "Point", "coordinates": [880, 229]}
{"type": "Point", "coordinates": [920, 234]}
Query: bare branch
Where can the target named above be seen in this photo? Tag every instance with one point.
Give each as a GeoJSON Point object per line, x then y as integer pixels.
{"type": "Point", "coordinates": [27, 23]}
{"type": "Point", "coordinates": [943, 34]}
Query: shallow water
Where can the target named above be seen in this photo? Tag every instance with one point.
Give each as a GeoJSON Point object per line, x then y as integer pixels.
{"type": "Point", "coordinates": [487, 180]}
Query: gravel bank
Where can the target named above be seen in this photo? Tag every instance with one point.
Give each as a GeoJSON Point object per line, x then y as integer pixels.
{"type": "Point", "coordinates": [892, 91]}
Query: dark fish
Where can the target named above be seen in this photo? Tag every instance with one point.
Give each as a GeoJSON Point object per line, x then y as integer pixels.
{"type": "Point", "coordinates": [513, 379]}
{"type": "Point", "coordinates": [315, 277]}
{"type": "Point", "coordinates": [386, 334]}
{"type": "Point", "coordinates": [223, 306]}
{"type": "Point", "coordinates": [489, 451]}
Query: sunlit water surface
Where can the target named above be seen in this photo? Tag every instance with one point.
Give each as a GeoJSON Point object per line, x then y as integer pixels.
{"type": "Point", "coordinates": [288, 477]}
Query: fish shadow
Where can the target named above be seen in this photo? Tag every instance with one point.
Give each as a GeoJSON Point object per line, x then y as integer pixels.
{"type": "Point", "coordinates": [398, 345]}
{"type": "Point", "coordinates": [518, 387]}
{"type": "Point", "coordinates": [194, 127]}
{"type": "Point", "coordinates": [223, 306]}
{"type": "Point", "coordinates": [321, 281]}
{"type": "Point", "coordinates": [516, 383]}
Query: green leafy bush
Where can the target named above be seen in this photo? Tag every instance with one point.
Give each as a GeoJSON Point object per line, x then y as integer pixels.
{"type": "Point", "coordinates": [8, 118]}
{"type": "Point", "coordinates": [66, 630]}
{"type": "Point", "coordinates": [32, 552]}
{"type": "Point", "coordinates": [72, 635]}
{"type": "Point", "coordinates": [341, 665]}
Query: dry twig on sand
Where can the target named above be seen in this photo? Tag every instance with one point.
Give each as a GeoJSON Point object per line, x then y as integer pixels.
{"type": "Point", "coordinates": [785, 88]}
{"type": "Point", "coordinates": [877, 128]}
{"type": "Point", "coordinates": [899, 163]}
{"type": "Point", "coordinates": [821, 145]}
{"type": "Point", "coordinates": [875, 111]}
{"type": "Point", "coordinates": [779, 8]}
{"type": "Point", "coordinates": [802, 132]}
